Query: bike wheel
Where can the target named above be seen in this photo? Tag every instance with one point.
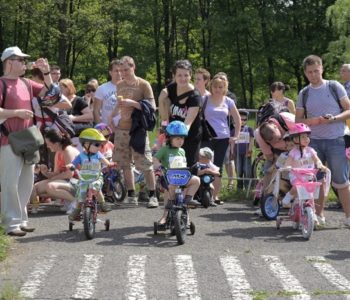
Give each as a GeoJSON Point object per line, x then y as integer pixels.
{"type": "Point", "coordinates": [258, 166]}
{"type": "Point", "coordinates": [270, 207]}
{"type": "Point", "coordinates": [180, 226]}
{"type": "Point", "coordinates": [118, 190]}
{"type": "Point", "coordinates": [155, 228]}
{"type": "Point", "coordinates": [89, 223]}
{"type": "Point", "coordinates": [307, 222]}
{"type": "Point", "coordinates": [205, 197]}
{"type": "Point", "coordinates": [192, 228]}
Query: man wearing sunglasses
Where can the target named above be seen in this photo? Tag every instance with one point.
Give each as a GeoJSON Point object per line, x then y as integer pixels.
{"type": "Point", "coordinates": [16, 112]}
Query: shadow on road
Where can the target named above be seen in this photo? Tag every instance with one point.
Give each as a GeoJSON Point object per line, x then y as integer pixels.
{"type": "Point", "coordinates": [126, 236]}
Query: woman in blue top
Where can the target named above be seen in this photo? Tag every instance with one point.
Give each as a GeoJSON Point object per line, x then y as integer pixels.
{"type": "Point", "coordinates": [218, 109]}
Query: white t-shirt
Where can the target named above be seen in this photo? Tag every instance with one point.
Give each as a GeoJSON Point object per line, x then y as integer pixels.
{"type": "Point", "coordinates": [107, 94]}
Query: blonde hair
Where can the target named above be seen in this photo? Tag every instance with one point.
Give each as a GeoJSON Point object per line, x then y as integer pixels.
{"type": "Point", "coordinates": [217, 79]}
{"type": "Point", "coordinates": [66, 82]}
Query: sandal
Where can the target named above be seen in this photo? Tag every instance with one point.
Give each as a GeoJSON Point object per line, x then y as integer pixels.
{"type": "Point", "coordinates": [229, 187]}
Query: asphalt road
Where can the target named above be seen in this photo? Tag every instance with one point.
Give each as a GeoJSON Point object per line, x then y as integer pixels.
{"type": "Point", "coordinates": [233, 255]}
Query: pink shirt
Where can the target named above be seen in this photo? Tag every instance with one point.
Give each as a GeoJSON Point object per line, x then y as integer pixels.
{"type": "Point", "coordinates": [281, 145]}
{"type": "Point", "coordinates": [18, 96]}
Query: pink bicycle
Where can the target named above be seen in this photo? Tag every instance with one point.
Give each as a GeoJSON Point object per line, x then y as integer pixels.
{"type": "Point", "coordinates": [302, 211]}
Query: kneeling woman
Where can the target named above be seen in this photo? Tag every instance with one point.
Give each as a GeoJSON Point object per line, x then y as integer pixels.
{"type": "Point", "coordinates": [57, 184]}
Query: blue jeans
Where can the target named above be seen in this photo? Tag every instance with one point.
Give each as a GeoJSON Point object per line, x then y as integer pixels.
{"type": "Point", "coordinates": [332, 152]}
{"type": "Point", "coordinates": [243, 166]}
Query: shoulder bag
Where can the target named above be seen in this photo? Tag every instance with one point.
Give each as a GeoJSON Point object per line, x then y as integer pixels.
{"type": "Point", "coordinates": [26, 142]}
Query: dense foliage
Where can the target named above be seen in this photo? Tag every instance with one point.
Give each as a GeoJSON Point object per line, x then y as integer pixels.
{"type": "Point", "coordinates": [254, 41]}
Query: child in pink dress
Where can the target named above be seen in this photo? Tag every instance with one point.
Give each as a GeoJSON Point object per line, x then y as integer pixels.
{"type": "Point", "coordinates": [301, 156]}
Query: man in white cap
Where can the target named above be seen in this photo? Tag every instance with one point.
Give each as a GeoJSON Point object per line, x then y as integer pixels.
{"type": "Point", "coordinates": [16, 176]}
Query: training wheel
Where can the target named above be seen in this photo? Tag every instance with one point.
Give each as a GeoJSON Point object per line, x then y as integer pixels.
{"type": "Point", "coordinates": [192, 228]}
{"type": "Point", "coordinates": [155, 228]}
{"type": "Point", "coordinates": [107, 224]}
{"type": "Point", "coordinates": [71, 226]}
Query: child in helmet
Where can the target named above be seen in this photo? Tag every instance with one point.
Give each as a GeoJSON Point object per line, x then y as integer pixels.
{"type": "Point", "coordinates": [173, 156]}
{"type": "Point", "coordinates": [205, 165]}
{"type": "Point", "coordinates": [89, 162]}
{"type": "Point", "coordinates": [301, 155]}
{"type": "Point", "coordinates": [108, 147]}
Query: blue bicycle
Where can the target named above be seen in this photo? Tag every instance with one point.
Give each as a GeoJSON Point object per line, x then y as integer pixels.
{"type": "Point", "coordinates": [178, 216]}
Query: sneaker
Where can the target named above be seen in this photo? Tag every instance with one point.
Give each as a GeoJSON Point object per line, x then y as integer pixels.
{"type": "Point", "coordinates": [258, 212]}
{"type": "Point", "coordinates": [153, 202]}
{"type": "Point", "coordinates": [319, 221]}
{"type": "Point", "coordinates": [347, 222]}
{"type": "Point", "coordinates": [74, 215]}
{"type": "Point", "coordinates": [194, 202]}
{"type": "Point", "coordinates": [213, 204]}
{"type": "Point", "coordinates": [131, 200]}
{"type": "Point", "coordinates": [105, 207]}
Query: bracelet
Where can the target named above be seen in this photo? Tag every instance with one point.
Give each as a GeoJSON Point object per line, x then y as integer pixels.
{"type": "Point", "coordinates": [47, 73]}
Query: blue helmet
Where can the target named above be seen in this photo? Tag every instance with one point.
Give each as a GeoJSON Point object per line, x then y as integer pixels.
{"type": "Point", "coordinates": [176, 128]}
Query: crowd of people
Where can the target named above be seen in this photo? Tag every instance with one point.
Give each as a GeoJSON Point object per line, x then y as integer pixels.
{"type": "Point", "coordinates": [122, 110]}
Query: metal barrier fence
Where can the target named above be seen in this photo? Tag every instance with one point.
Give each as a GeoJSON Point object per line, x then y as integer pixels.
{"type": "Point", "coordinates": [253, 179]}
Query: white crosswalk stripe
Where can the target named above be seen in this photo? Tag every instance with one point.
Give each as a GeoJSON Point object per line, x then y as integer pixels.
{"type": "Point", "coordinates": [187, 284]}
{"type": "Point", "coordinates": [31, 287]}
{"type": "Point", "coordinates": [88, 280]}
{"type": "Point", "coordinates": [330, 273]}
{"type": "Point", "coordinates": [136, 278]}
{"type": "Point", "coordinates": [289, 282]}
{"type": "Point", "coordinates": [88, 277]}
{"type": "Point", "coordinates": [236, 278]}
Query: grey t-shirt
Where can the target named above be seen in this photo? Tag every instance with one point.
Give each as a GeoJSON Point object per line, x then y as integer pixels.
{"type": "Point", "coordinates": [320, 102]}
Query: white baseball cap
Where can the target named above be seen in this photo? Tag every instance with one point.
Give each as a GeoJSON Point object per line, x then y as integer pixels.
{"type": "Point", "coordinates": [10, 51]}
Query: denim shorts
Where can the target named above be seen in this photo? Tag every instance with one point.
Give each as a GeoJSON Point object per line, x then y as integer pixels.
{"type": "Point", "coordinates": [332, 153]}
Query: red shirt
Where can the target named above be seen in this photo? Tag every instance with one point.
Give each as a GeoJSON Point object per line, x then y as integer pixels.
{"type": "Point", "coordinates": [18, 96]}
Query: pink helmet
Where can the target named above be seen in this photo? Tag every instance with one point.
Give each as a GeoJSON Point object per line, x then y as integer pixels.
{"type": "Point", "coordinates": [298, 129]}
{"type": "Point", "coordinates": [104, 129]}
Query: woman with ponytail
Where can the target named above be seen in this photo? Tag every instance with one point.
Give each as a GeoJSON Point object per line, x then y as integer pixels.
{"type": "Point", "coordinates": [57, 183]}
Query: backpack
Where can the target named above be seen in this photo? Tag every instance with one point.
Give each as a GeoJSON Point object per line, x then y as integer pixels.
{"type": "Point", "coordinates": [332, 88]}
{"type": "Point", "coordinates": [268, 110]}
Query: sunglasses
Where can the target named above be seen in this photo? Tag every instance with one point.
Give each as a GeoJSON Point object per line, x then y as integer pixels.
{"type": "Point", "coordinates": [97, 144]}
{"type": "Point", "coordinates": [22, 60]}
{"type": "Point", "coordinates": [243, 119]}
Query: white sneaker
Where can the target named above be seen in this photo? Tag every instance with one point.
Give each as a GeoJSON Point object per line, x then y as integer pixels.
{"type": "Point", "coordinates": [347, 222]}
{"type": "Point", "coordinates": [153, 202]}
{"type": "Point", "coordinates": [319, 221]}
{"type": "Point", "coordinates": [258, 212]}
{"type": "Point", "coordinates": [131, 200]}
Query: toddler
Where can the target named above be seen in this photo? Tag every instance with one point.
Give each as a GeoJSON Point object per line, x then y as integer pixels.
{"type": "Point", "coordinates": [301, 156]}
{"type": "Point", "coordinates": [89, 162]}
{"type": "Point", "coordinates": [173, 156]}
{"type": "Point", "coordinates": [205, 165]}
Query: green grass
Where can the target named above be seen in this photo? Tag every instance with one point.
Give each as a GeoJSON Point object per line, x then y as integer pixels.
{"type": "Point", "coordinates": [10, 292]}
{"type": "Point", "coordinates": [4, 244]}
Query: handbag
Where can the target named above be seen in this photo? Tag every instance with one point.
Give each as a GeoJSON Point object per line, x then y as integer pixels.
{"type": "Point", "coordinates": [26, 143]}
{"type": "Point", "coordinates": [207, 131]}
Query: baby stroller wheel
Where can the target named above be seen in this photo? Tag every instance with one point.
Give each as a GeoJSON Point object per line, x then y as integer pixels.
{"type": "Point", "coordinates": [270, 207]}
